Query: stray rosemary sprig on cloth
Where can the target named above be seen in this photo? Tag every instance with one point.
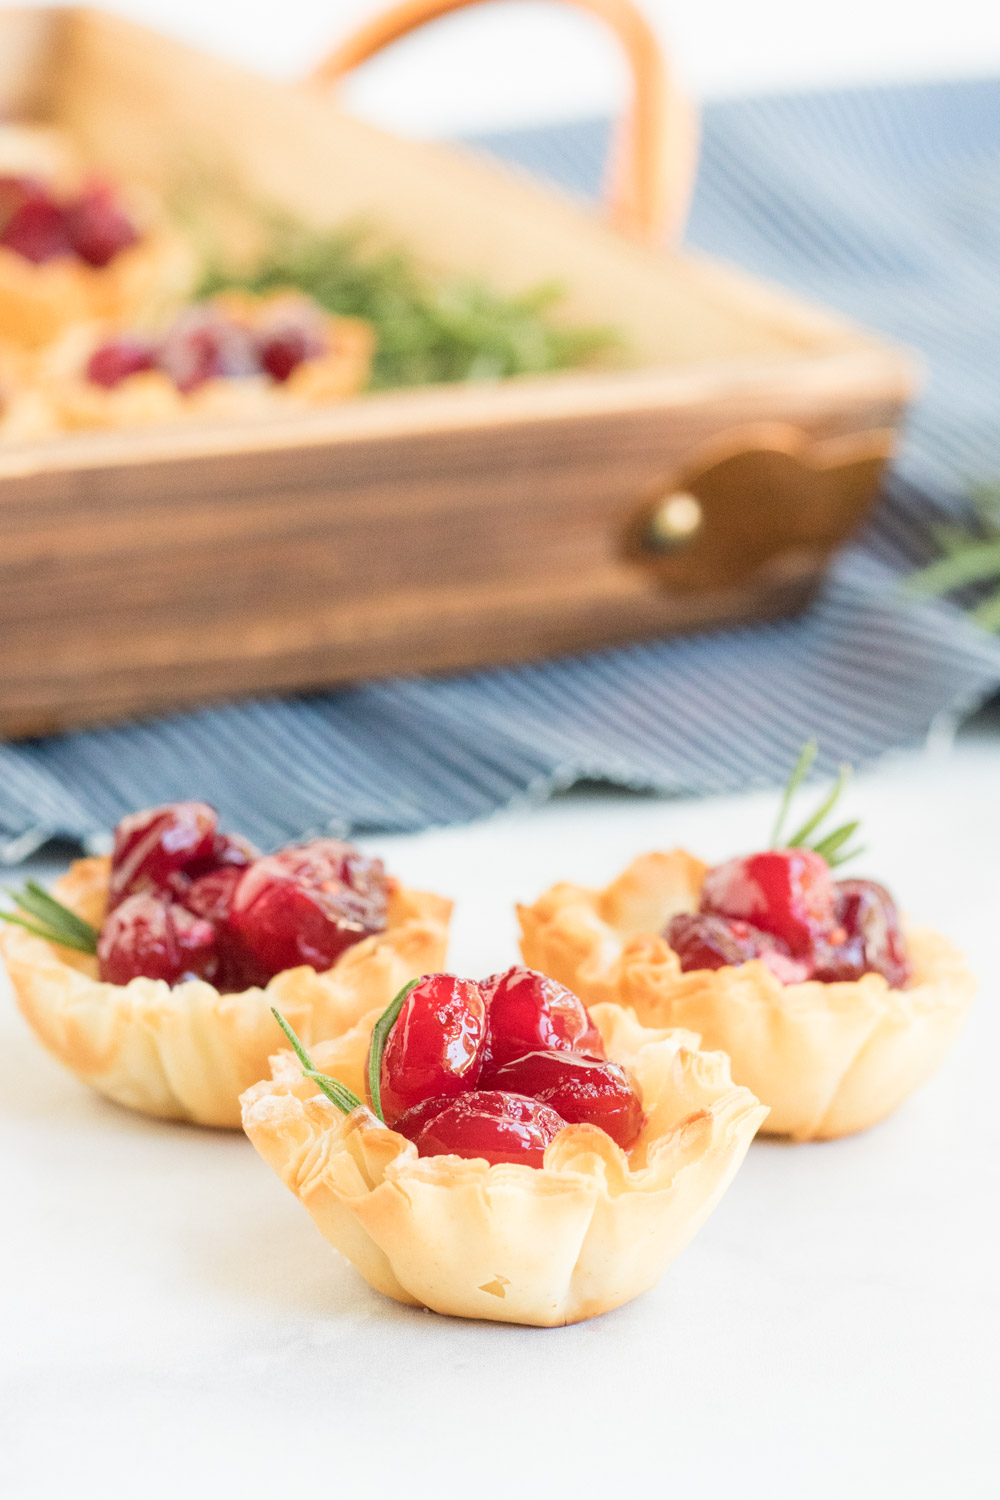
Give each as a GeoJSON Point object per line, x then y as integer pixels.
{"type": "Point", "coordinates": [429, 328]}
{"type": "Point", "coordinates": [338, 1093]}
{"type": "Point", "coordinates": [50, 920]}
{"type": "Point", "coordinates": [831, 846]}
{"type": "Point", "coordinates": [969, 556]}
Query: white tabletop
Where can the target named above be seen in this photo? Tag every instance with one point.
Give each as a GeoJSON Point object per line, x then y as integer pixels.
{"type": "Point", "coordinates": [173, 1325]}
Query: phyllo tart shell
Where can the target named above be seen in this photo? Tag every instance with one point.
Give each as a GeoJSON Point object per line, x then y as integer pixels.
{"type": "Point", "coordinates": [145, 282]}
{"type": "Point", "coordinates": [588, 1231]}
{"type": "Point", "coordinates": [188, 1052]}
{"type": "Point", "coordinates": [828, 1059]}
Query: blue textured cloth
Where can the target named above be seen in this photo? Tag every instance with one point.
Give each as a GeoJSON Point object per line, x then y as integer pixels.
{"type": "Point", "coordinates": [884, 203]}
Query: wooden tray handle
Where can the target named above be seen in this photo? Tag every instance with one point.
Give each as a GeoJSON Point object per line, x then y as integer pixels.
{"type": "Point", "coordinates": [654, 155]}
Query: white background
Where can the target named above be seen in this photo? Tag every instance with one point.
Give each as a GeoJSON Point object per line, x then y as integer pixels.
{"type": "Point", "coordinates": [513, 63]}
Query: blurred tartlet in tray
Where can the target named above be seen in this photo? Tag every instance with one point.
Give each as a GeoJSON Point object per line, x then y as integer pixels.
{"type": "Point", "coordinates": [233, 356]}
{"type": "Point", "coordinates": [197, 936]}
{"type": "Point", "coordinates": [517, 1159]}
{"type": "Point", "coordinates": [75, 248]}
{"type": "Point", "coordinates": [830, 1011]}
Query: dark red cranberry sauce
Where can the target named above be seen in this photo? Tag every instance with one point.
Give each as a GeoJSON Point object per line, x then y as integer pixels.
{"type": "Point", "coordinates": [495, 1069]}
{"type": "Point", "coordinates": [205, 343]}
{"type": "Point", "coordinates": [784, 908]}
{"type": "Point", "coordinates": [37, 225]}
{"type": "Point", "coordinates": [186, 901]}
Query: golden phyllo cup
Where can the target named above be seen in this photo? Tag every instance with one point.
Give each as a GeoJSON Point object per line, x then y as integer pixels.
{"type": "Point", "coordinates": [187, 1052]}
{"type": "Point", "coordinates": [510, 1243]}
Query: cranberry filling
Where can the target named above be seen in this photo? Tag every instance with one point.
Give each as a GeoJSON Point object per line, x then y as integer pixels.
{"type": "Point", "coordinates": [786, 892]}
{"type": "Point", "coordinates": [96, 226]}
{"type": "Point", "coordinates": [499, 1127]}
{"type": "Point", "coordinates": [784, 908]}
{"type": "Point", "coordinates": [704, 941]}
{"type": "Point", "coordinates": [435, 1049]}
{"type": "Point", "coordinates": [528, 1012]}
{"type": "Point", "coordinates": [185, 900]}
{"type": "Point", "coordinates": [38, 226]}
{"type": "Point", "coordinates": [495, 1070]}
{"type": "Point", "coordinates": [583, 1090]}
{"type": "Point", "coordinates": [152, 846]}
{"type": "Point", "coordinates": [308, 904]}
{"type": "Point", "coordinates": [282, 350]}
{"type": "Point", "coordinates": [116, 360]}
{"type": "Point", "coordinates": [148, 937]}
{"type": "Point", "coordinates": [205, 344]}
{"type": "Point", "coordinates": [867, 939]}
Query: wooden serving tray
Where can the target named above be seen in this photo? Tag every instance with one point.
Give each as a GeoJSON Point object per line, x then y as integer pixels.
{"type": "Point", "coordinates": [709, 482]}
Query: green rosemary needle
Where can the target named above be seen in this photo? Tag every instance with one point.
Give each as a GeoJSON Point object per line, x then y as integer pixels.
{"type": "Point", "coordinates": [338, 1093]}
{"type": "Point", "coordinates": [47, 918]}
{"type": "Point", "coordinates": [380, 1035]}
{"type": "Point", "coordinates": [830, 846]}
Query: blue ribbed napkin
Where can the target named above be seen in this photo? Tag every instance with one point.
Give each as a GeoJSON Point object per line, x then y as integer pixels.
{"type": "Point", "coordinates": [884, 203]}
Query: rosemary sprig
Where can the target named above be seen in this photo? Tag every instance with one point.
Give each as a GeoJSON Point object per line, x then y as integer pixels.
{"type": "Point", "coordinates": [800, 771]}
{"type": "Point", "coordinates": [50, 920]}
{"type": "Point", "coordinates": [831, 845]}
{"type": "Point", "coordinates": [338, 1093]}
{"type": "Point", "coordinates": [380, 1035]}
{"type": "Point", "coordinates": [429, 328]}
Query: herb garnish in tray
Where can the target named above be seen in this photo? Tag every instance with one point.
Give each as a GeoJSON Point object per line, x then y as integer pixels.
{"type": "Point", "coordinates": [429, 328]}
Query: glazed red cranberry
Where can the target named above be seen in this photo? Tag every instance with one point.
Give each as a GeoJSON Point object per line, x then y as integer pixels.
{"type": "Point", "coordinates": [487, 1124]}
{"type": "Point", "coordinates": [282, 350]}
{"type": "Point", "coordinates": [35, 224]}
{"type": "Point", "coordinates": [149, 936]}
{"type": "Point", "coordinates": [234, 849]}
{"type": "Point", "coordinates": [703, 941]}
{"type": "Point", "coordinates": [153, 845]}
{"type": "Point", "coordinates": [193, 359]}
{"type": "Point", "coordinates": [435, 1048]}
{"type": "Point", "coordinates": [205, 345]}
{"type": "Point", "coordinates": [529, 1013]}
{"type": "Point", "coordinates": [96, 226]}
{"type": "Point", "coordinates": [229, 852]}
{"type": "Point", "coordinates": [211, 895]}
{"type": "Point", "coordinates": [308, 904]}
{"type": "Point", "coordinates": [867, 938]}
{"type": "Point", "coordinates": [582, 1090]}
{"type": "Point", "coordinates": [119, 358]}
{"type": "Point", "coordinates": [787, 892]}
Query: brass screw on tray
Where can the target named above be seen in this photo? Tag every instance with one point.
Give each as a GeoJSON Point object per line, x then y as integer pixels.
{"type": "Point", "coordinates": [674, 522]}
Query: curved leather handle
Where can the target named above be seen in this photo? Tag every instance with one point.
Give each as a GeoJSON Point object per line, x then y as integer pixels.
{"type": "Point", "coordinates": [655, 151]}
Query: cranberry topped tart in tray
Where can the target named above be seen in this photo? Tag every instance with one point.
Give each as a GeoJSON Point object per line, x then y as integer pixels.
{"type": "Point", "coordinates": [493, 1150]}
{"type": "Point", "coordinates": [831, 1011]}
{"type": "Point", "coordinates": [152, 974]}
{"type": "Point", "coordinates": [231, 356]}
{"type": "Point", "coordinates": [76, 247]}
